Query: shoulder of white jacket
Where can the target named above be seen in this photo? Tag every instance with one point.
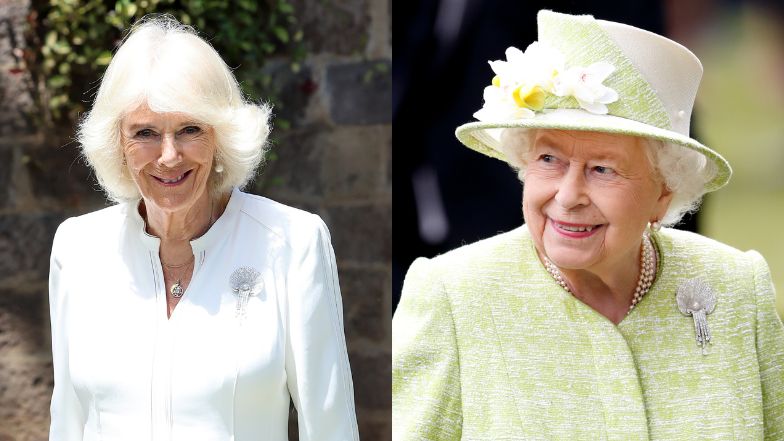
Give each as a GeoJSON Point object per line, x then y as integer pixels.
{"type": "Point", "coordinates": [80, 233]}
{"type": "Point", "coordinates": [90, 225]}
{"type": "Point", "coordinates": [289, 223]}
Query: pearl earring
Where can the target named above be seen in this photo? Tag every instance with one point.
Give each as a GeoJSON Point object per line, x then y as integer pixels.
{"type": "Point", "coordinates": [218, 167]}
{"type": "Point", "coordinates": [656, 225]}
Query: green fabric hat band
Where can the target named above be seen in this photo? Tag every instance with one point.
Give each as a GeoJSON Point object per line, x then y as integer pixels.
{"type": "Point", "coordinates": [583, 42]}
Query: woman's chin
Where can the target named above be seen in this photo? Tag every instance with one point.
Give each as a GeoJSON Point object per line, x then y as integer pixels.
{"type": "Point", "coordinates": [569, 259]}
{"type": "Point", "coordinates": [170, 203]}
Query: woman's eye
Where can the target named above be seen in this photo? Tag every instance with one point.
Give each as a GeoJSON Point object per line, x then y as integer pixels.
{"type": "Point", "coordinates": [547, 158]}
{"type": "Point", "coordinates": [191, 130]}
{"type": "Point", "coordinates": [602, 170]}
{"type": "Point", "coordinates": [145, 133]}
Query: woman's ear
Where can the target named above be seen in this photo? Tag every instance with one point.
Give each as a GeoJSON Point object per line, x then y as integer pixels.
{"type": "Point", "coordinates": [663, 202]}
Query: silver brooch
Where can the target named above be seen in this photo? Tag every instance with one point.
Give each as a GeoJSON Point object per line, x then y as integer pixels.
{"type": "Point", "coordinates": [245, 282]}
{"type": "Point", "coordinates": [697, 299]}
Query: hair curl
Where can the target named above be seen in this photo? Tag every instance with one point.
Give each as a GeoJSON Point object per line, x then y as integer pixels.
{"type": "Point", "coordinates": [685, 172]}
{"type": "Point", "coordinates": [165, 65]}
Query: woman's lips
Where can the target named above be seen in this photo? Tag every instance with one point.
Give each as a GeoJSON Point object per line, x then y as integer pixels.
{"type": "Point", "coordinates": [575, 231]}
{"type": "Point", "coordinates": [172, 181]}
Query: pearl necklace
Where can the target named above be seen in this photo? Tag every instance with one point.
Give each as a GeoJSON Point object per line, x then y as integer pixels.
{"type": "Point", "coordinates": [647, 272]}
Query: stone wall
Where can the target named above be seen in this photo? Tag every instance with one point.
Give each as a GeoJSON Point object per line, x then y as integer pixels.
{"type": "Point", "coordinates": [335, 160]}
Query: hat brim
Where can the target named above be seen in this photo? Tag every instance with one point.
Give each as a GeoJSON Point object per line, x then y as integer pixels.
{"type": "Point", "coordinates": [484, 137]}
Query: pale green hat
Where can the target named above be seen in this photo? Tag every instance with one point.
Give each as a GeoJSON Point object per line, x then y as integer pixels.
{"type": "Point", "coordinates": [593, 75]}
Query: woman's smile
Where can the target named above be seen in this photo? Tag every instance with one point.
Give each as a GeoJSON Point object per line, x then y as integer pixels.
{"type": "Point", "coordinates": [172, 180]}
{"type": "Point", "coordinates": [575, 231]}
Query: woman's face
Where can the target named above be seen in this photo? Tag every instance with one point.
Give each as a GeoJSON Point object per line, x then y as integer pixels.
{"type": "Point", "coordinates": [169, 156]}
{"type": "Point", "coordinates": [588, 197]}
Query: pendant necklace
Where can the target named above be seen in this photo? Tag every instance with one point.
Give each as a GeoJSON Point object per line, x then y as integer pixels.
{"type": "Point", "coordinates": [177, 290]}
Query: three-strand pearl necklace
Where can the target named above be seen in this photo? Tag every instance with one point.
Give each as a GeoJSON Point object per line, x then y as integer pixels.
{"type": "Point", "coordinates": [647, 272]}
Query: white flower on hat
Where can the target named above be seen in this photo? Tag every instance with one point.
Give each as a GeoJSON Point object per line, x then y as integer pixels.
{"type": "Point", "coordinates": [585, 85]}
{"type": "Point", "coordinates": [538, 65]}
{"type": "Point", "coordinates": [523, 82]}
{"type": "Point", "coordinates": [500, 106]}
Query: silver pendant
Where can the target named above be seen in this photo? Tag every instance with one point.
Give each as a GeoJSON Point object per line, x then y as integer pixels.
{"type": "Point", "coordinates": [245, 282]}
{"type": "Point", "coordinates": [697, 299]}
{"type": "Point", "coordinates": [176, 290]}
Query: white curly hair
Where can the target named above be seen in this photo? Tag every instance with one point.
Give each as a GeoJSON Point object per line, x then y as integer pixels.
{"type": "Point", "coordinates": [166, 66]}
{"type": "Point", "coordinates": [684, 171]}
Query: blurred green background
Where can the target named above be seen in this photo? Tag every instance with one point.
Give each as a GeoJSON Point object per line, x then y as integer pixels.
{"type": "Point", "coordinates": [740, 113]}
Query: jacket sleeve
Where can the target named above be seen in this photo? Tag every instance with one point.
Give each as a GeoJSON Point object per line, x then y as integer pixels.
{"type": "Point", "coordinates": [426, 392]}
{"type": "Point", "coordinates": [317, 367]}
{"type": "Point", "coordinates": [770, 350]}
{"type": "Point", "coordinates": [67, 413]}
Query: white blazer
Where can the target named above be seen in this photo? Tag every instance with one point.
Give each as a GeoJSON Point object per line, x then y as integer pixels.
{"type": "Point", "coordinates": [124, 371]}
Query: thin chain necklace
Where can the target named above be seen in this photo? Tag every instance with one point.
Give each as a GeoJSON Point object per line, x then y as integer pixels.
{"type": "Point", "coordinates": [177, 290]}
{"type": "Point", "coordinates": [647, 272]}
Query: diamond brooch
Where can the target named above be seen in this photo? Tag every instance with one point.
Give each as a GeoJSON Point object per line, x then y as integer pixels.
{"type": "Point", "coordinates": [695, 298]}
{"type": "Point", "coordinates": [245, 282]}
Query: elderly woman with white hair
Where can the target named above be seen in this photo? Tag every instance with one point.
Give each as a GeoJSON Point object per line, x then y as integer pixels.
{"type": "Point", "coordinates": [591, 321]}
{"type": "Point", "coordinates": [190, 310]}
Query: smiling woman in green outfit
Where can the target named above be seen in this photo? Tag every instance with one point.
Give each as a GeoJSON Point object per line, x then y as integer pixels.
{"type": "Point", "coordinates": [591, 321]}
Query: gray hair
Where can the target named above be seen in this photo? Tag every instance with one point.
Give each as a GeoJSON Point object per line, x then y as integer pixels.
{"type": "Point", "coordinates": [685, 171]}
{"type": "Point", "coordinates": [167, 66]}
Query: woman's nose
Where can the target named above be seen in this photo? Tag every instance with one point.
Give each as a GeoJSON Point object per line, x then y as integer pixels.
{"type": "Point", "coordinates": [572, 190]}
{"type": "Point", "coordinates": [170, 156]}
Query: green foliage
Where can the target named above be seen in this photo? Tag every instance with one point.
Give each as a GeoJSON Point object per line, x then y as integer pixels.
{"type": "Point", "coordinates": [73, 42]}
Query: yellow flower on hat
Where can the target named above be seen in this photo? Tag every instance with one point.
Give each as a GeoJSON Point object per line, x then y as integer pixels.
{"type": "Point", "coordinates": [500, 106]}
{"type": "Point", "coordinates": [524, 80]}
{"type": "Point", "coordinates": [521, 82]}
{"type": "Point", "coordinates": [529, 97]}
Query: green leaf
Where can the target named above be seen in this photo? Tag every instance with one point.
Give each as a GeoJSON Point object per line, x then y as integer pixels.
{"type": "Point", "coordinates": [381, 67]}
{"type": "Point", "coordinates": [248, 5]}
{"type": "Point", "coordinates": [61, 47]}
{"type": "Point", "coordinates": [51, 38]}
{"type": "Point", "coordinates": [281, 33]}
{"type": "Point", "coordinates": [283, 124]}
{"type": "Point", "coordinates": [104, 58]}
{"type": "Point", "coordinates": [58, 81]}
{"type": "Point", "coordinates": [130, 10]}
{"type": "Point", "coordinates": [58, 100]}
{"type": "Point", "coordinates": [285, 7]}
{"type": "Point", "coordinates": [268, 47]}
{"type": "Point", "coordinates": [367, 77]}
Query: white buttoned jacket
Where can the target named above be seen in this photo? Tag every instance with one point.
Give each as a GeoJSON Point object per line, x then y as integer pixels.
{"type": "Point", "coordinates": [124, 371]}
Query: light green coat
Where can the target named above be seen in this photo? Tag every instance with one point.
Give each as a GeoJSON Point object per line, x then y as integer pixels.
{"type": "Point", "coordinates": [486, 346]}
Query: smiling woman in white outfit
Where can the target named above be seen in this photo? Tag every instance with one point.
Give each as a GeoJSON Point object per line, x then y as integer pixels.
{"type": "Point", "coordinates": [190, 310]}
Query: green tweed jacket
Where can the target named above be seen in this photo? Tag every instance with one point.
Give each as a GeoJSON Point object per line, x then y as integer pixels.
{"type": "Point", "coordinates": [486, 346]}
